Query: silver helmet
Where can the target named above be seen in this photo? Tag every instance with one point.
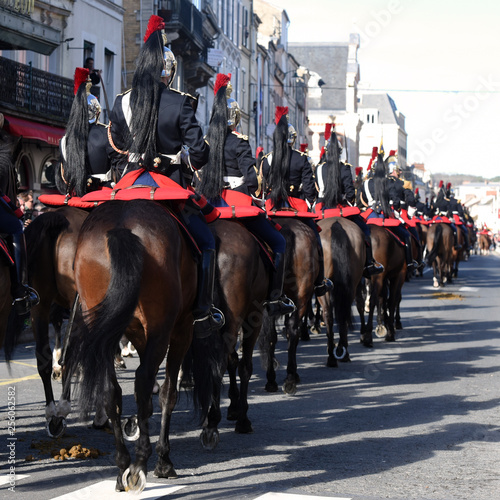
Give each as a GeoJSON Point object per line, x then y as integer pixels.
{"type": "Point", "coordinates": [169, 65]}
{"type": "Point", "coordinates": [94, 108]}
{"type": "Point", "coordinates": [292, 135]}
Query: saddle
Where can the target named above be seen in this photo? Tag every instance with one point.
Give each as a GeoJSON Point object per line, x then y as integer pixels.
{"type": "Point", "coordinates": [340, 211]}
{"type": "Point", "coordinates": [294, 207]}
{"type": "Point", "coordinates": [239, 205]}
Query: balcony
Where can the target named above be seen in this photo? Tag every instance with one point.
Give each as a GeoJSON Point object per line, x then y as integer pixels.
{"type": "Point", "coordinates": [33, 93]}
{"type": "Point", "coordinates": [187, 31]}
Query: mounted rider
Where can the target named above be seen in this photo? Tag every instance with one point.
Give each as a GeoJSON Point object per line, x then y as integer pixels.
{"type": "Point", "coordinates": [85, 151]}
{"type": "Point", "coordinates": [336, 188]}
{"type": "Point", "coordinates": [24, 297]}
{"type": "Point", "coordinates": [154, 129]}
{"type": "Point", "coordinates": [441, 208]}
{"type": "Point", "coordinates": [231, 166]}
{"type": "Point", "coordinates": [288, 173]}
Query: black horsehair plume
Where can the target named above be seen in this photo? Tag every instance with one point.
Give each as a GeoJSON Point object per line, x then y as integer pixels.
{"type": "Point", "coordinates": [277, 180]}
{"type": "Point", "coordinates": [331, 175]}
{"type": "Point", "coordinates": [380, 186]}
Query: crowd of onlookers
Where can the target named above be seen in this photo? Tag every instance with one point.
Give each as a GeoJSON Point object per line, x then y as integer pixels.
{"type": "Point", "coordinates": [26, 203]}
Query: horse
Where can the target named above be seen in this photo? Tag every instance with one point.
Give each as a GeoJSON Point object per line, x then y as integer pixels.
{"type": "Point", "coordinates": [344, 254]}
{"type": "Point", "coordinates": [302, 268]}
{"type": "Point", "coordinates": [5, 297]}
{"type": "Point", "coordinates": [242, 284]}
{"type": "Point", "coordinates": [440, 252]}
{"type": "Point", "coordinates": [484, 243]}
{"type": "Point", "coordinates": [458, 254]}
{"type": "Point", "coordinates": [136, 274]}
{"type": "Point", "coordinates": [385, 288]}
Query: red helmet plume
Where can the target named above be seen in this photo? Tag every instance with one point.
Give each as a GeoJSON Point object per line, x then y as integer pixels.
{"type": "Point", "coordinates": [81, 76]}
{"type": "Point", "coordinates": [222, 80]}
{"type": "Point", "coordinates": [328, 131]}
{"type": "Point", "coordinates": [303, 147]}
{"type": "Point", "coordinates": [358, 170]}
{"type": "Point", "coordinates": [441, 184]}
{"type": "Point", "coordinates": [416, 190]}
{"type": "Point", "coordinates": [280, 112]}
{"type": "Point", "coordinates": [448, 186]}
{"type": "Point", "coordinates": [260, 149]}
{"type": "Point", "coordinates": [155, 23]}
{"type": "Point", "coordinates": [392, 152]}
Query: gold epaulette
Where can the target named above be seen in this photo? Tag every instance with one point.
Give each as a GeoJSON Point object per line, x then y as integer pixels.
{"type": "Point", "coordinates": [301, 152]}
{"type": "Point", "coordinates": [126, 92]}
{"type": "Point", "coordinates": [183, 93]}
{"type": "Point", "coordinates": [266, 155]}
{"type": "Point", "coordinates": [241, 136]}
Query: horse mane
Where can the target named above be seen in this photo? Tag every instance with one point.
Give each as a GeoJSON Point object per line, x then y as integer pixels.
{"type": "Point", "coordinates": [332, 195]}
{"type": "Point", "coordinates": [145, 99]}
{"type": "Point", "coordinates": [212, 177]}
{"type": "Point", "coordinates": [380, 186]}
{"type": "Point", "coordinates": [279, 172]}
{"type": "Point", "coordinates": [76, 162]}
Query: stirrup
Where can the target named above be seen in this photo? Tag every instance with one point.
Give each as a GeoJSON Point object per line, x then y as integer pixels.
{"type": "Point", "coordinates": [213, 320]}
{"type": "Point", "coordinates": [373, 269]}
{"type": "Point", "coordinates": [412, 265]}
{"type": "Point", "coordinates": [29, 299]}
{"type": "Point", "coordinates": [280, 307]}
{"type": "Point", "coordinates": [326, 286]}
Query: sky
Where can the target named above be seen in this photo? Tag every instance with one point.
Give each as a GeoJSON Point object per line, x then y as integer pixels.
{"type": "Point", "coordinates": [438, 59]}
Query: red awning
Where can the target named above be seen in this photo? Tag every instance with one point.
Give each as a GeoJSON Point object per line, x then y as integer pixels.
{"type": "Point", "coordinates": [34, 130]}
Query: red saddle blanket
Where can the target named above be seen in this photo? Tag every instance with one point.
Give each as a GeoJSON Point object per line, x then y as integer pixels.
{"type": "Point", "coordinates": [408, 221]}
{"type": "Point", "coordinates": [58, 200]}
{"type": "Point", "coordinates": [297, 208]}
{"type": "Point", "coordinates": [240, 205]}
{"type": "Point", "coordinates": [380, 221]}
{"type": "Point", "coordinates": [340, 211]}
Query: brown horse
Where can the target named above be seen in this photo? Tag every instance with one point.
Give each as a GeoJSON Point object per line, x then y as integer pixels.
{"type": "Point", "coordinates": [385, 288]}
{"type": "Point", "coordinates": [484, 243]}
{"type": "Point", "coordinates": [458, 254]}
{"type": "Point", "coordinates": [440, 252]}
{"type": "Point", "coordinates": [242, 284]}
{"type": "Point", "coordinates": [136, 275]}
{"type": "Point", "coordinates": [302, 268]}
{"type": "Point", "coordinates": [344, 253]}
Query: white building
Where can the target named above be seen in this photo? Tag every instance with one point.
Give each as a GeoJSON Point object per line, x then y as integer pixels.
{"type": "Point", "coordinates": [483, 201]}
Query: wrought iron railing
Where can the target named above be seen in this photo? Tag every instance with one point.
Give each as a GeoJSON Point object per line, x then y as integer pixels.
{"type": "Point", "coordinates": [184, 13]}
{"type": "Point", "coordinates": [39, 93]}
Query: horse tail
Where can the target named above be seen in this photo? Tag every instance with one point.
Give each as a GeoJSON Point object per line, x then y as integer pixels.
{"type": "Point", "coordinates": [343, 291]}
{"type": "Point", "coordinates": [333, 180]}
{"type": "Point", "coordinates": [438, 236]}
{"type": "Point", "coordinates": [93, 346]}
{"type": "Point", "coordinates": [42, 231]}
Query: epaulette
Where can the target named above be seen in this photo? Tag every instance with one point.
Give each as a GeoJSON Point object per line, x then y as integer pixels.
{"type": "Point", "coordinates": [301, 152]}
{"type": "Point", "coordinates": [241, 136]}
{"type": "Point", "coordinates": [266, 155]}
{"type": "Point", "coordinates": [126, 92]}
{"type": "Point", "coordinates": [183, 93]}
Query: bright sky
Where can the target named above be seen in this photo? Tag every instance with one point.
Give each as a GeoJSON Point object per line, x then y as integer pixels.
{"type": "Point", "coordinates": [411, 47]}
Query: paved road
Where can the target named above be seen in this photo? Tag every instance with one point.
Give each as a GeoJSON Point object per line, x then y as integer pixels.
{"type": "Point", "coordinates": [415, 419]}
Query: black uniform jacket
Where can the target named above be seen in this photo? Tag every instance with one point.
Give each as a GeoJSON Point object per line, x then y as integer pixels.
{"type": "Point", "coordinates": [177, 126]}
{"type": "Point", "coordinates": [300, 176]}
{"type": "Point", "coordinates": [401, 197]}
{"type": "Point", "coordinates": [99, 149]}
{"type": "Point", "coordinates": [239, 162]}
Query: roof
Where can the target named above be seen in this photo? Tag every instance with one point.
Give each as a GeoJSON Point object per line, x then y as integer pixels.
{"type": "Point", "coordinates": [385, 105]}
{"type": "Point", "coordinates": [329, 60]}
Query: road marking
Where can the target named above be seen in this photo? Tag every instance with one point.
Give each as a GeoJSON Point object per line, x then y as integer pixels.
{"type": "Point", "coordinates": [8, 381]}
{"type": "Point", "coordinates": [291, 496]}
{"type": "Point", "coordinates": [24, 364]}
{"type": "Point", "coordinates": [468, 289]}
{"type": "Point", "coordinates": [6, 479]}
{"type": "Point", "coordinates": [106, 489]}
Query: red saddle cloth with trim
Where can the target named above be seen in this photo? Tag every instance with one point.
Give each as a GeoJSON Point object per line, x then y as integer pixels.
{"type": "Point", "coordinates": [457, 220]}
{"type": "Point", "coordinates": [240, 205]}
{"type": "Point", "coordinates": [4, 250]}
{"type": "Point", "coordinates": [408, 221]}
{"type": "Point", "coordinates": [126, 190]}
{"type": "Point", "coordinates": [340, 211]}
{"type": "Point", "coordinates": [59, 200]}
{"type": "Point", "coordinates": [440, 219]}
{"type": "Point", "coordinates": [380, 221]}
{"type": "Point", "coordinates": [298, 208]}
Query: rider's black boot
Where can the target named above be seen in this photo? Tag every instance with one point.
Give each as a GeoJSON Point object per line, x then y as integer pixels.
{"type": "Point", "coordinates": [206, 316]}
{"type": "Point", "coordinates": [410, 263]}
{"type": "Point", "coordinates": [278, 303]}
{"type": "Point", "coordinates": [372, 267]}
{"type": "Point", "coordinates": [322, 285]}
{"type": "Point", "coordinates": [24, 297]}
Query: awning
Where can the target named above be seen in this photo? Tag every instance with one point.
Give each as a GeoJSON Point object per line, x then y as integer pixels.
{"type": "Point", "coordinates": [34, 130]}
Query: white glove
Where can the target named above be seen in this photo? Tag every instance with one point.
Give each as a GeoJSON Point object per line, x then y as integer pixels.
{"type": "Point", "coordinates": [411, 211]}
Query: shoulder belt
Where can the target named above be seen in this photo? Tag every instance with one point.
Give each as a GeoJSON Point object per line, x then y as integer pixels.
{"type": "Point", "coordinates": [369, 197]}
{"type": "Point", "coordinates": [300, 152]}
{"type": "Point", "coordinates": [240, 136]}
{"type": "Point", "coordinates": [126, 92]}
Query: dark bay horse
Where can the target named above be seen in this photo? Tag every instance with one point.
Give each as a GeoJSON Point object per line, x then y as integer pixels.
{"type": "Point", "coordinates": [385, 288]}
{"type": "Point", "coordinates": [136, 275]}
{"type": "Point", "coordinates": [242, 284]}
{"type": "Point", "coordinates": [484, 243]}
{"type": "Point", "coordinates": [302, 268]}
{"type": "Point", "coordinates": [440, 252]}
{"type": "Point", "coordinates": [344, 253]}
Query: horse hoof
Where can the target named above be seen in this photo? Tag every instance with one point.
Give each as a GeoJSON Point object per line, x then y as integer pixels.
{"type": "Point", "coordinates": [120, 364]}
{"type": "Point", "coordinates": [156, 388]}
{"type": "Point", "coordinates": [271, 387]}
{"type": "Point", "coordinates": [135, 483]}
{"type": "Point", "coordinates": [315, 330]}
{"type": "Point", "coordinates": [399, 325]}
{"type": "Point", "coordinates": [56, 375]}
{"type": "Point", "coordinates": [56, 427]}
{"type": "Point", "coordinates": [380, 331]}
{"type": "Point", "coordinates": [366, 342]}
{"type": "Point", "coordinates": [340, 355]}
{"type": "Point", "coordinates": [209, 439]}
{"type": "Point", "coordinates": [130, 429]}
{"type": "Point", "coordinates": [166, 471]}
{"type": "Point", "coordinates": [331, 362]}
{"type": "Point", "coordinates": [290, 387]}
{"type": "Point", "coordinates": [305, 337]}
{"type": "Point", "coordinates": [232, 414]}
{"type": "Point", "coordinates": [244, 427]}
{"type": "Point", "coordinates": [390, 338]}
